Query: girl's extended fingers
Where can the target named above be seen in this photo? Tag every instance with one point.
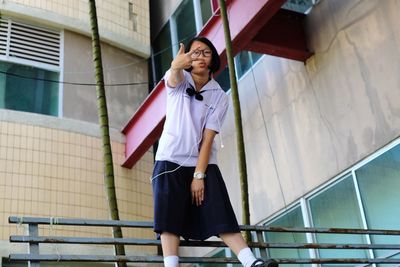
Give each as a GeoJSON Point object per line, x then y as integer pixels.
{"type": "Point", "coordinates": [181, 48]}
{"type": "Point", "coordinates": [192, 51]}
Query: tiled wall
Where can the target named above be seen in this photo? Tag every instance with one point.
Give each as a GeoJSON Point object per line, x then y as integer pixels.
{"type": "Point", "coordinates": [59, 173]}
{"type": "Point", "coordinates": [113, 15]}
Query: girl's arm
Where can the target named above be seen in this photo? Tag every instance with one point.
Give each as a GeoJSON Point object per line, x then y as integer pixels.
{"type": "Point", "coordinates": [197, 187]}
{"type": "Point", "coordinates": [181, 61]}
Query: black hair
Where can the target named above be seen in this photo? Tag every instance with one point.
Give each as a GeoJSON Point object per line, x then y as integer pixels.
{"type": "Point", "coordinates": [215, 60]}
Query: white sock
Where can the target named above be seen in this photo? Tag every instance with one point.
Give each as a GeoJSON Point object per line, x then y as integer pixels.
{"type": "Point", "coordinates": [171, 261]}
{"type": "Point", "coordinates": [246, 257]}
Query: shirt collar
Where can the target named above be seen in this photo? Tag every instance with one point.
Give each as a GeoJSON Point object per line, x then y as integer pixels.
{"type": "Point", "coordinates": [210, 85]}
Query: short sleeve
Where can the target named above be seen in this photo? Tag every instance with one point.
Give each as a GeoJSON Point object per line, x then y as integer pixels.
{"type": "Point", "coordinates": [217, 117]}
{"type": "Point", "coordinates": [177, 88]}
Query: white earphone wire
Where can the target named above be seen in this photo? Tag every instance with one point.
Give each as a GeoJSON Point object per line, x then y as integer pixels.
{"type": "Point", "coordinates": [198, 142]}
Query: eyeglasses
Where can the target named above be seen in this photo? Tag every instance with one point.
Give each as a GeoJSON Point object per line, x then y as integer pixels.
{"type": "Point", "coordinates": [190, 91]}
{"type": "Point", "coordinates": [205, 52]}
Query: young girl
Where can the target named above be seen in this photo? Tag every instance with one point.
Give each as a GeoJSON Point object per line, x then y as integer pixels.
{"type": "Point", "coordinates": [190, 197]}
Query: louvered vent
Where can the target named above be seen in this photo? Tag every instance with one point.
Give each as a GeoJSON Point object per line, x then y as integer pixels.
{"type": "Point", "coordinates": [29, 42]}
{"type": "Point", "coordinates": [3, 36]}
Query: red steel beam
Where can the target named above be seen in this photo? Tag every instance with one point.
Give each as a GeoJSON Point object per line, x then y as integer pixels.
{"type": "Point", "coordinates": [283, 35]}
{"type": "Point", "coordinates": [246, 19]}
{"type": "Point", "coordinates": [145, 127]}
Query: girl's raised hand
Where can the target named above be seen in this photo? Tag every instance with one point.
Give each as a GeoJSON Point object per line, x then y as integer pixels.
{"type": "Point", "coordinates": [183, 60]}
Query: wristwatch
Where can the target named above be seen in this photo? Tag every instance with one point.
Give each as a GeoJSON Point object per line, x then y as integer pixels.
{"type": "Point", "coordinates": [199, 175]}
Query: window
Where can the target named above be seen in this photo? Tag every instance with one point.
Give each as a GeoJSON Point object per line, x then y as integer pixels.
{"type": "Point", "coordinates": [255, 57]}
{"type": "Point", "coordinates": [290, 219]}
{"type": "Point", "coordinates": [223, 79]}
{"type": "Point", "coordinates": [244, 61]}
{"type": "Point", "coordinates": [31, 94]}
{"type": "Point", "coordinates": [185, 22]}
{"type": "Point", "coordinates": [29, 68]}
{"type": "Point", "coordinates": [300, 6]}
{"type": "Point", "coordinates": [367, 197]}
{"type": "Point", "coordinates": [379, 183]}
{"type": "Point", "coordinates": [162, 52]}
{"type": "Point", "coordinates": [338, 207]}
{"type": "Point", "coordinates": [206, 10]}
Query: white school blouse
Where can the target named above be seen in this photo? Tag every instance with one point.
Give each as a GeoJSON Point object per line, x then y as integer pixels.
{"type": "Point", "coordinates": [187, 117]}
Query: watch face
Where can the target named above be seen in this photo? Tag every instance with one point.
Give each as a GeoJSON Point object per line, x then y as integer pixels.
{"type": "Point", "coordinates": [199, 175]}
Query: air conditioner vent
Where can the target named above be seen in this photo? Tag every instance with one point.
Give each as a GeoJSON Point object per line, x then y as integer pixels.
{"type": "Point", "coordinates": [29, 42]}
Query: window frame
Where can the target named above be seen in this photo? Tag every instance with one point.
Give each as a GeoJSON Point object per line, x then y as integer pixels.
{"type": "Point", "coordinates": [348, 173]}
{"type": "Point", "coordinates": [48, 67]}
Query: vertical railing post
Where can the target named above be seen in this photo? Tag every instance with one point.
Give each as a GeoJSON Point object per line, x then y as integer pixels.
{"type": "Point", "coordinates": [264, 253]}
{"type": "Point", "coordinates": [33, 247]}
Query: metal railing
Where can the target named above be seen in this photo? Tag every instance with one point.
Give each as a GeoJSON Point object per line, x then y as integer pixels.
{"type": "Point", "coordinates": [34, 257]}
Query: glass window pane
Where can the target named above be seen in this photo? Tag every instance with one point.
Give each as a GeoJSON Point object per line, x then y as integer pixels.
{"type": "Point", "coordinates": [162, 52]}
{"type": "Point", "coordinates": [379, 183]}
{"type": "Point", "coordinates": [185, 21]}
{"type": "Point", "coordinates": [300, 6]}
{"type": "Point", "coordinates": [294, 218]}
{"type": "Point", "coordinates": [255, 57]}
{"type": "Point", "coordinates": [32, 94]}
{"type": "Point", "coordinates": [243, 63]}
{"type": "Point", "coordinates": [206, 10]}
{"type": "Point", "coordinates": [338, 207]}
{"type": "Point", "coordinates": [223, 79]}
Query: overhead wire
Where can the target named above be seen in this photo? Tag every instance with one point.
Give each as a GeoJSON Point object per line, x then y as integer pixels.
{"type": "Point", "coordinates": [70, 83]}
{"type": "Point", "coordinates": [108, 70]}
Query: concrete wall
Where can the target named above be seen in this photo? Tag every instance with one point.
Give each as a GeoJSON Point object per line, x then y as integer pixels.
{"type": "Point", "coordinates": [79, 102]}
{"type": "Point", "coordinates": [115, 26]}
{"type": "Point", "coordinates": [304, 124]}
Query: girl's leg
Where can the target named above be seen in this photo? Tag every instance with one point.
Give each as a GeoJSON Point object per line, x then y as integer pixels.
{"type": "Point", "coordinates": [170, 245]}
{"type": "Point", "coordinates": [236, 243]}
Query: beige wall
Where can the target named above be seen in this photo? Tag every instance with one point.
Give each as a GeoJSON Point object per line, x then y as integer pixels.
{"type": "Point", "coordinates": [52, 167]}
{"type": "Point", "coordinates": [113, 18]}
{"type": "Point", "coordinates": [305, 124]}
{"type": "Point", "coordinates": [79, 102]}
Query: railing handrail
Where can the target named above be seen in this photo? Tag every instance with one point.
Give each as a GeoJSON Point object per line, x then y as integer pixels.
{"type": "Point", "coordinates": [159, 259]}
{"type": "Point", "coordinates": [34, 239]}
{"type": "Point", "coordinates": [147, 224]}
{"type": "Point", "coordinates": [183, 243]}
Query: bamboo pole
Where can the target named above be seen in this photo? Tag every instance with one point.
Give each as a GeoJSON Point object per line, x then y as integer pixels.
{"type": "Point", "coordinates": [238, 121]}
{"type": "Point", "coordinates": [109, 181]}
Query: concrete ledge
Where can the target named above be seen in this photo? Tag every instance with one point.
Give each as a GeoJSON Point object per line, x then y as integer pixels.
{"type": "Point", "coordinates": [65, 124]}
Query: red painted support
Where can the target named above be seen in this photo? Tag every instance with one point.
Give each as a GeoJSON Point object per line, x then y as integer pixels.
{"type": "Point", "coordinates": [145, 127]}
{"type": "Point", "coordinates": [283, 35]}
{"type": "Point", "coordinates": [247, 18]}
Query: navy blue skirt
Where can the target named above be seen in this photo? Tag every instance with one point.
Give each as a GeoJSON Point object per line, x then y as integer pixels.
{"type": "Point", "coordinates": [173, 208]}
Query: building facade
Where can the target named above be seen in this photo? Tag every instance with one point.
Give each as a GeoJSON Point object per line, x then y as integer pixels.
{"type": "Point", "coordinates": [321, 136]}
{"type": "Point", "coordinates": [50, 145]}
